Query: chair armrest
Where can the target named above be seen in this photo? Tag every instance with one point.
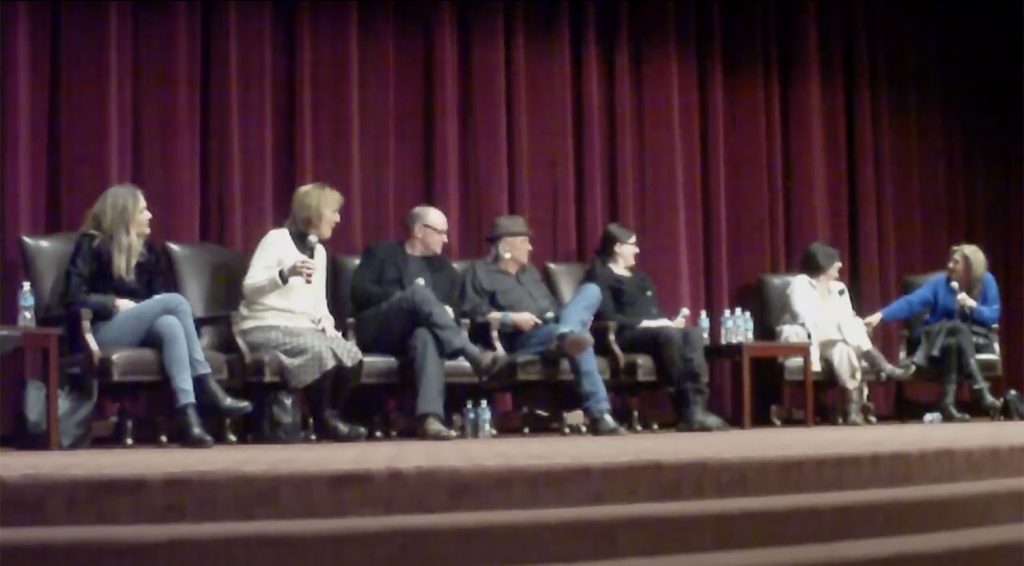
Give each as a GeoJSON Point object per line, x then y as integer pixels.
{"type": "Point", "coordinates": [993, 332]}
{"type": "Point", "coordinates": [350, 329]}
{"type": "Point", "coordinates": [213, 319]}
{"type": "Point", "coordinates": [92, 348]}
{"type": "Point", "coordinates": [605, 342]}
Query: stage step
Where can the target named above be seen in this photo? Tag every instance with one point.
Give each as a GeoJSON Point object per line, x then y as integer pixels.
{"type": "Point", "coordinates": [1001, 545]}
{"type": "Point", "coordinates": [327, 481]}
{"type": "Point", "coordinates": [529, 536]}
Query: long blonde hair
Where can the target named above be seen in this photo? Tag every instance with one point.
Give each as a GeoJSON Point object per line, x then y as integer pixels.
{"type": "Point", "coordinates": [113, 218]}
{"type": "Point", "coordinates": [976, 262]}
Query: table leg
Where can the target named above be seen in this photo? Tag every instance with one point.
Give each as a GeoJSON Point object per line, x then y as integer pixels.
{"type": "Point", "coordinates": [52, 383]}
{"type": "Point", "coordinates": [808, 390]}
{"type": "Point", "coordinates": [746, 389]}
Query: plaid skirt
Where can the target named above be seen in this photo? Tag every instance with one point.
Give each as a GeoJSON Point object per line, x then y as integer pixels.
{"type": "Point", "coordinates": [305, 353]}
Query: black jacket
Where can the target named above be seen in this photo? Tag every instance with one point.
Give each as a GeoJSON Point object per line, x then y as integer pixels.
{"type": "Point", "coordinates": [90, 282]}
{"type": "Point", "coordinates": [627, 301]}
{"type": "Point", "coordinates": [384, 271]}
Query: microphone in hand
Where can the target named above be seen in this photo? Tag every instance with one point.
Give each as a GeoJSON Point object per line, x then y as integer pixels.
{"type": "Point", "coordinates": [961, 309]}
{"type": "Point", "coordinates": [310, 251]}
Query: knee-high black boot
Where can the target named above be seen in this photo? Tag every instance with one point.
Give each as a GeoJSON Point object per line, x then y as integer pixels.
{"type": "Point", "coordinates": [320, 395]}
{"type": "Point", "coordinates": [948, 407]}
{"type": "Point", "coordinates": [980, 389]}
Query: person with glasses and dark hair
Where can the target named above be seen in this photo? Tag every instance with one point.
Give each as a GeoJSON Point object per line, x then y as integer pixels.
{"type": "Point", "coordinates": [629, 299]}
{"type": "Point", "coordinates": [401, 295]}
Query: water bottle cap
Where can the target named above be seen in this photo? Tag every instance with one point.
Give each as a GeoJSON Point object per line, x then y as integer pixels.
{"type": "Point", "coordinates": [483, 402]}
{"type": "Point", "coordinates": [26, 284]}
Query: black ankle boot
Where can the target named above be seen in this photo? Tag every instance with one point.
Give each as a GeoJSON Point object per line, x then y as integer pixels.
{"type": "Point", "coordinates": [326, 424]}
{"type": "Point", "coordinates": [189, 428]}
{"type": "Point", "coordinates": [210, 395]}
{"type": "Point", "coordinates": [980, 390]}
{"type": "Point", "coordinates": [948, 405]}
{"type": "Point", "coordinates": [693, 412]}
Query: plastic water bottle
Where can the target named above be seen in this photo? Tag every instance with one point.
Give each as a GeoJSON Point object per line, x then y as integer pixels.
{"type": "Point", "coordinates": [469, 421]}
{"type": "Point", "coordinates": [748, 326]}
{"type": "Point", "coordinates": [738, 326]}
{"type": "Point", "coordinates": [725, 328]}
{"type": "Point", "coordinates": [26, 305]}
{"type": "Point", "coordinates": [705, 326]}
{"type": "Point", "coordinates": [932, 418]}
{"type": "Point", "coordinates": [483, 420]}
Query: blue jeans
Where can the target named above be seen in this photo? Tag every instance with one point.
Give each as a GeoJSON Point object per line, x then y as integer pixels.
{"type": "Point", "coordinates": [575, 317]}
{"type": "Point", "coordinates": [165, 322]}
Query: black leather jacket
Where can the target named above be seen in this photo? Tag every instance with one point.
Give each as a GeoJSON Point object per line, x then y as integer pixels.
{"type": "Point", "coordinates": [90, 281]}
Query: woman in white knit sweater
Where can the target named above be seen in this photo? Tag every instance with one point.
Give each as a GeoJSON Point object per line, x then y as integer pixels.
{"type": "Point", "coordinates": [820, 303]}
{"type": "Point", "coordinates": [284, 310]}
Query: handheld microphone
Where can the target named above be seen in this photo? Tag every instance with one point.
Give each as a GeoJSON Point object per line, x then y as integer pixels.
{"type": "Point", "coordinates": [312, 241]}
{"type": "Point", "coordinates": [310, 251]}
{"type": "Point", "coordinates": [960, 309]}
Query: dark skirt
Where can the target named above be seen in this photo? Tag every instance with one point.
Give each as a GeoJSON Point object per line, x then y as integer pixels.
{"type": "Point", "coordinates": [935, 338]}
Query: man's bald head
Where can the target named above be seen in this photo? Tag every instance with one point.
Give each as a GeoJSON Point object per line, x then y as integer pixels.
{"type": "Point", "coordinates": [428, 230]}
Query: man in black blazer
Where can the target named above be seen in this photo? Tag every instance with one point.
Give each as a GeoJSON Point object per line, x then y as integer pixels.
{"type": "Point", "coordinates": [401, 294]}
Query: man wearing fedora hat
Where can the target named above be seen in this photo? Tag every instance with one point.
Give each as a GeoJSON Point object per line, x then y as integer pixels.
{"type": "Point", "coordinates": [507, 289]}
{"type": "Point", "coordinates": [401, 292]}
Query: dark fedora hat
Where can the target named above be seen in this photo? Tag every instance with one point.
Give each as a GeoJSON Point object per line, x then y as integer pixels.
{"type": "Point", "coordinates": [506, 226]}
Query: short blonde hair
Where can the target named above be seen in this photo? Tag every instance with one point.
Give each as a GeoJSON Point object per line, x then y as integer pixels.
{"type": "Point", "coordinates": [977, 262]}
{"type": "Point", "coordinates": [309, 203]}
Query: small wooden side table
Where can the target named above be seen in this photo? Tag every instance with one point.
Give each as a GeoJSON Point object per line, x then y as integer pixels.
{"type": "Point", "coordinates": [747, 351]}
{"type": "Point", "coordinates": [43, 340]}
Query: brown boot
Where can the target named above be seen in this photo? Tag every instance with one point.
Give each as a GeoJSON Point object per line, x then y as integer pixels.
{"type": "Point", "coordinates": [877, 362]}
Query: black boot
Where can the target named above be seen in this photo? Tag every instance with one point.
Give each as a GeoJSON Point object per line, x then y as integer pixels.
{"type": "Point", "coordinates": [948, 405]}
{"type": "Point", "coordinates": [189, 428]}
{"type": "Point", "coordinates": [209, 394]}
{"type": "Point", "coordinates": [605, 425]}
{"type": "Point", "coordinates": [877, 362]}
{"type": "Point", "coordinates": [326, 424]}
{"type": "Point", "coordinates": [693, 412]}
{"type": "Point", "coordinates": [980, 389]}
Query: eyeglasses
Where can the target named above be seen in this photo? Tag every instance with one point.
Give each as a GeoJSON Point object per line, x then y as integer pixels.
{"type": "Point", "coordinates": [438, 230]}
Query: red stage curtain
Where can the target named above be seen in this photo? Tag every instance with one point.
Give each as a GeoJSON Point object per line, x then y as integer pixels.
{"type": "Point", "coordinates": [729, 134]}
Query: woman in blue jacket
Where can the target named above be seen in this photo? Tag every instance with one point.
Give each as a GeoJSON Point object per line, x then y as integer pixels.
{"type": "Point", "coordinates": [961, 306]}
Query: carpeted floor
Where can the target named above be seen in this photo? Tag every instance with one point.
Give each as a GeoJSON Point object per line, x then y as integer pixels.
{"type": "Point", "coordinates": [523, 499]}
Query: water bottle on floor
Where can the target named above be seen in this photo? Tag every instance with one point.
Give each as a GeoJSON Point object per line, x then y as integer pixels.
{"type": "Point", "coordinates": [483, 420]}
{"type": "Point", "coordinates": [932, 418]}
{"type": "Point", "coordinates": [705, 326]}
{"type": "Point", "coordinates": [469, 428]}
{"type": "Point", "coordinates": [26, 306]}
